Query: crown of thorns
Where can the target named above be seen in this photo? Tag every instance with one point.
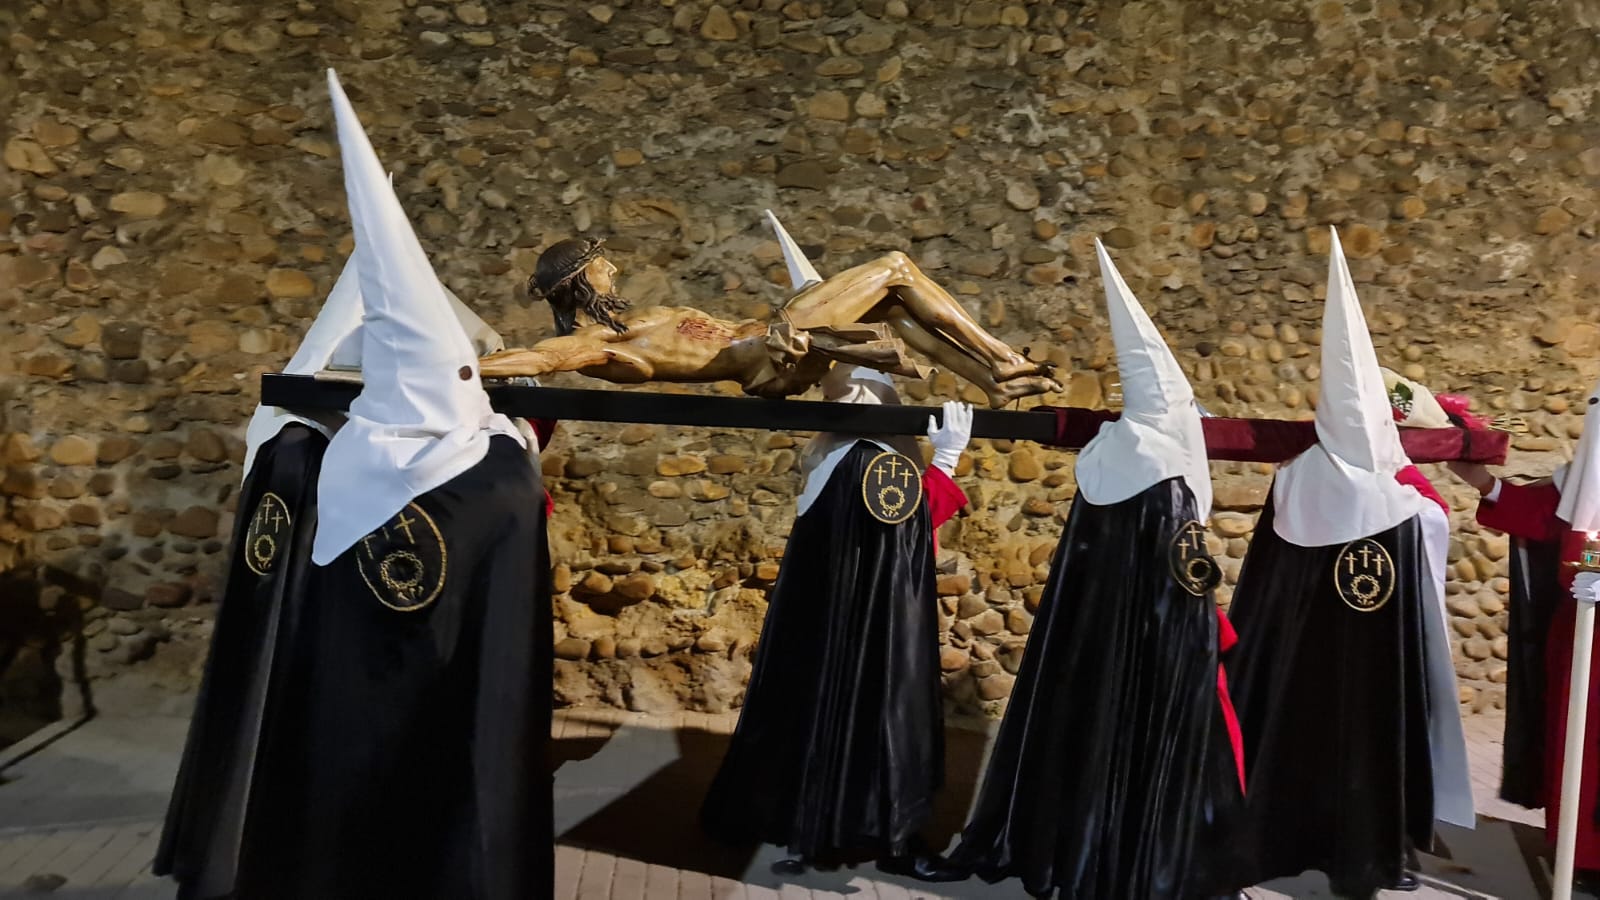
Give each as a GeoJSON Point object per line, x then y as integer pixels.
{"type": "Point", "coordinates": [590, 251]}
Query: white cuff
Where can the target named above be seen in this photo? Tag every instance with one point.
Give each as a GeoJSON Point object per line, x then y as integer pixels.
{"type": "Point", "coordinates": [1494, 493]}
{"type": "Point", "coordinates": [947, 459]}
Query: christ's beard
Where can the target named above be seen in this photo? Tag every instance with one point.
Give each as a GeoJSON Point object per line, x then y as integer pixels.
{"type": "Point", "coordinates": [600, 308]}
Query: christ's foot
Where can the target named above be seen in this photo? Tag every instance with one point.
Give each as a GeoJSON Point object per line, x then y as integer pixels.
{"type": "Point", "coordinates": [1020, 366]}
{"type": "Point", "coordinates": [1025, 386]}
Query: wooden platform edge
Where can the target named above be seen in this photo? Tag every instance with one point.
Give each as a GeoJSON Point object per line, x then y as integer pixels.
{"type": "Point", "coordinates": [1227, 439]}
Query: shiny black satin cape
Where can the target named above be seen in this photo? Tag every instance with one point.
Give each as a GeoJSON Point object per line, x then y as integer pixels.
{"type": "Point", "coordinates": [1333, 706]}
{"type": "Point", "coordinates": [1535, 591]}
{"type": "Point", "coordinates": [424, 772]}
{"type": "Point", "coordinates": [840, 744]}
{"type": "Point", "coordinates": [240, 712]}
{"type": "Point", "coordinates": [1108, 758]}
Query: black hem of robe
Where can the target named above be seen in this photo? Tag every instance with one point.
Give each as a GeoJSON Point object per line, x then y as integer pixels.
{"type": "Point", "coordinates": [1535, 590]}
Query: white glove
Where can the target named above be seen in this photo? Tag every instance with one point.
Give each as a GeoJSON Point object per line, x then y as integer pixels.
{"type": "Point", "coordinates": [949, 441]}
{"type": "Point", "coordinates": [1584, 587]}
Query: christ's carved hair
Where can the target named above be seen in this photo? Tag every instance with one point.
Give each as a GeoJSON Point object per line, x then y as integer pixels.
{"type": "Point", "coordinates": [559, 278]}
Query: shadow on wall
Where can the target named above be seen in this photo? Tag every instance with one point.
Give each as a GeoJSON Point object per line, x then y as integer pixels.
{"type": "Point", "coordinates": [43, 648]}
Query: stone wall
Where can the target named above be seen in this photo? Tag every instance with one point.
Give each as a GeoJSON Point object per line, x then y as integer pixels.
{"type": "Point", "coordinates": [172, 215]}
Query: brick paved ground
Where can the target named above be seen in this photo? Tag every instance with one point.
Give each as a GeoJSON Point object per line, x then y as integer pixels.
{"type": "Point", "coordinates": [80, 817]}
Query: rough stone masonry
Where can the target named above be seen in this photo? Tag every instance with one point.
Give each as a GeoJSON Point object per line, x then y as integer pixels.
{"type": "Point", "coordinates": [172, 215]}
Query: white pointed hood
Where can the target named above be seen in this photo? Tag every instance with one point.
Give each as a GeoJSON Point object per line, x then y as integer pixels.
{"type": "Point", "coordinates": [1158, 435]}
{"type": "Point", "coordinates": [822, 454]}
{"type": "Point", "coordinates": [339, 317]}
{"type": "Point", "coordinates": [422, 417]}
{"type": "Point", "coordinates": [485, 340]}
{"type": "Point", "coordinates": [1579, 480]}
{"type": "Point", "coordinates": [802, 274]}
{"type": "Point", "coordinates": [1344, 486]}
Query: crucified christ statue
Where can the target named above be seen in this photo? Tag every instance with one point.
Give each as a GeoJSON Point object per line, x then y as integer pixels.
{"type": "Point", "coordinates": [860, 316]}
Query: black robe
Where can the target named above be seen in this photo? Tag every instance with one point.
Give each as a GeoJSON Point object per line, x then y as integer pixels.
{"type": "Point", "coordinates": [241, 712]}
{"type": "Point", "coordinates": [1332, 701]}
{"type": "Point", "coordinates": [1113, 751]}
{"type": "Point", "coordinates": [424, 769]}
{"type": "Point", "coordinates": [840, 745]}
{"type": "Point", "coordinates": [1535, 589]}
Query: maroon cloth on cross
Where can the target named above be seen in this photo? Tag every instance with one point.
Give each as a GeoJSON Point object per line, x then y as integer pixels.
{"type": "Point", "coordinates": [1279, 440]}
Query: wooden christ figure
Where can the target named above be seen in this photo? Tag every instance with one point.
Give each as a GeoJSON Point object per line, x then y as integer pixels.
{"type": "Point", "coordinates": [865, 316]}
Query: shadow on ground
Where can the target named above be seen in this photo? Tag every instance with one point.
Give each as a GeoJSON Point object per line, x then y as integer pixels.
{"type": "Point", "coordinates": [637, 794]}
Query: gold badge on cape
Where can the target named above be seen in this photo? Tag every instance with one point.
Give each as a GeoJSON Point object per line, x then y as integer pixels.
{"type": "Point", "coordinates": [1192, 565]}
{"type": "Point", "coordinates": [1364, 574]}
{"type": "Point", "coordinates": [891, 488]}
{"type": "Point", "coordinates": [268, 532]}
{"type": "Point", "coordinates": [403, 562]}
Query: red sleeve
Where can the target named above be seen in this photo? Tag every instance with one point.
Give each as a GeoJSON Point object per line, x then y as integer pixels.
{"type": "Point", "coordinates": [1413, 478]}
{"type": "Point", "coordinates": [945, 497]}
{"type": "Point", "coordinates": [549, 504]}
{"type": "Point", "coordinates": [1527, 511]}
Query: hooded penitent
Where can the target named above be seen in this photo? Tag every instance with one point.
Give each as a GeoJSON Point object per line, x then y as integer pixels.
{"type": "Point", "coordinates": [1100, 793]}
{"type": "Point", "coordinates": [1343, 678]}
{"type": "Point", "coordinates": [1548, 523]}
{"type": "Point", "coordinates": [839, 747]}
{"type": "Point", "coordinates": [1344, 487]}
{"type": "Point", "coordinates": [422, 417]}
{"type": "Point", "coordinates": [424, 686]}
{"type": "Point", "coordinates": [1158, 434]}
{"type": "Point", "coordinates": [230, 770]}
{"type": "Point", "coordinates": [1534, 580]}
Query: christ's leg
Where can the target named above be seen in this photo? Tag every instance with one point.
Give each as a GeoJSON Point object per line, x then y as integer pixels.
{"type": "Point", "coordinates": [957, 360]}
{"type": "Point", "coordinates": [851, 295]}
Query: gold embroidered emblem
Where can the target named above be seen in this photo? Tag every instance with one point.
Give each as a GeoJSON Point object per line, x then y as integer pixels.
{"type": "Point", "coordinates": [891, 488]}
{"type": "Point", "coordinates": [1364, 575]}
{"type": "Point", "coordinates": [403, 562]}
{"type": "Point", "coordinates": [267, 534]}
{"type": "Point", "coordinates": [1192, 566]}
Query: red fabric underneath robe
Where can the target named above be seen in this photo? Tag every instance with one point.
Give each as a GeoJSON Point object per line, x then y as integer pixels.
{"type": "Point", "coordinates": [945, 499]}
{"type": "Point", "coordinates": [1226, 638]}
{"type": "Point", "coordinates": [1529, 512]}
{"type": "Point", "coordinates": [544, 429]}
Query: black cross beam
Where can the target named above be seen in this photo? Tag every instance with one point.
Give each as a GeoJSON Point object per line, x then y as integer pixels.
{"type": "Point", "coordinates": [1239, 440]}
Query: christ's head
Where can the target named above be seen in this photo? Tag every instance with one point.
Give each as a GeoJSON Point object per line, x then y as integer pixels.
{"type": "Point", "coordinates": [573, 276]}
